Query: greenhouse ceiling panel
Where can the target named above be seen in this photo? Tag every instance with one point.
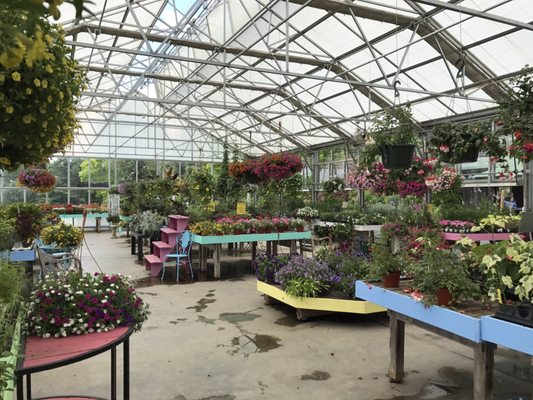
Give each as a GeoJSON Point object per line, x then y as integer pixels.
{"type": "Point", "coordinates": [175, 79]}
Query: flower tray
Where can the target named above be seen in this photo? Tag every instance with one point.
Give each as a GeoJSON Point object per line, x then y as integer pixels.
{"type": "Point", "coordinates": [521, 314]}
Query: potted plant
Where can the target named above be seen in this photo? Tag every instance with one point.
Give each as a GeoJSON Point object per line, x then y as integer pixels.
{"type": "Point", "coordinates": [63, 236]}
{"type": "Point", "coordinates": [147, 223]}
{"type": "Point", "coordinates": [39, 96]}
{"type": "Point", "coordinates": [78, 304]}
{"type": "Point", "coordinates": [27, 218]}
{"type": "Point", "coordinates": [456, 143]}
{"type": "Point", "coordinates": [394, 135]}
{"type": "Point", "coordinates": [385, 266]}
{"type": "Point", "coordinates": [113, 220]}
{"type": "Point", "coordinates": [7, 235]}
{"type": "Point", "coordinates": [507, 268]}
{"type": "Point", "coordinates": [38, 180]}
{"type": "Point", "coordinates": [441, 275]}
{"type": "Point", "coordinates": [333, 185]}
{"type": "Point", "coordinates": [516, 116]}
{"type": "Point", "coordinates": [297, 225]}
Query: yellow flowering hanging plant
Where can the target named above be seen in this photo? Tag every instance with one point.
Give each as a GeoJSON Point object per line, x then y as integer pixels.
{"type": "Point", "coordinates": [38, 97]}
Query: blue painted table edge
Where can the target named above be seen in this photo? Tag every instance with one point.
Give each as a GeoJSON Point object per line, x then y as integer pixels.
{"type": "Point", "coordinates": [508, 334]}
{"type": "Point", "coordinates": [452, 321]}
{"type": "Point", "coordinates": [19, 255]}
{"type": "Point", "coordinates": [250, 237]}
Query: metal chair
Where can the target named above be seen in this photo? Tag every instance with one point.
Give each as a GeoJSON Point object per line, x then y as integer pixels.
{"type": "Point", "coordinates": [53, 263]}
{"type": "Point", "coordinates": [182, 252]}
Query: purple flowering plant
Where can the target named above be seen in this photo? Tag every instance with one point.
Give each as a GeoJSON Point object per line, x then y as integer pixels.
{"type": "Point", "coordinates": [78, 304]}
{"type": "Point", "coordinates": [266, 265]}
{"type": "Point", "coordinates": [305, 277]}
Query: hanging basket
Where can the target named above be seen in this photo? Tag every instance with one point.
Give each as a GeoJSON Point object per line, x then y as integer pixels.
{"type": "Point", "coordinates": [399, 156]}
{"type": "Point", "coordinates": [469, 155]}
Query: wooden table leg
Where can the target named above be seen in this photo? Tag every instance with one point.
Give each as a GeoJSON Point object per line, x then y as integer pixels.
{"type": "Point", "coordinates": [397, 347]}
{"type": "Point", "coordinates": [292, 247]}
{"type": "Point", "coordinates": [133, 244]}
{"type": "Point", "coordinates": [218, 250]}
{"type": "Point", "coordinates": [269, 247]}
{"type": "Point", "coordinates": [98, 222]}
{"type": "Point", "coordinates": [275, 248]}
{"type": "Point", "coordinates": [483, 370]}
{"type": "Point", "coordinates": [254, 250]}
{"type": "Point", "coordinates": [203, 258]}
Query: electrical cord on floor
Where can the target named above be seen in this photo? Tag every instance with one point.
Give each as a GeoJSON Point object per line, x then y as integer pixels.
{"type": "Point", "coordinates": [90, 253]}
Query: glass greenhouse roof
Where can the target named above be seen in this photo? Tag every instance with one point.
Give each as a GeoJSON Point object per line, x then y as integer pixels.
{"type": "Point", "coordinates": [174, 79]}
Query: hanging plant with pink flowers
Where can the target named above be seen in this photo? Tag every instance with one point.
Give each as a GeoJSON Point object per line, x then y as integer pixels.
{"type": "Point", "coordinates": [270, 167]}
{"type": "Point", "coordinates": [37, 179]}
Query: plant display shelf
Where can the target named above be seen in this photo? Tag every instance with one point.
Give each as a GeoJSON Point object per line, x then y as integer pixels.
{"type": "Point", "coordinates": [313, 306]}
{"type": "Point", "coordinates": [45, 354]}
{"type": "Point", "coordinates": [215, 243]}
{"type": "Point", "coordinates": [477, 237]}
{"type": "Point", "coordinates": [455, 325]}
{"type": "Point", "coordinates": [96, 216]}
{"type": "Point", "coordinates": [507, 334]}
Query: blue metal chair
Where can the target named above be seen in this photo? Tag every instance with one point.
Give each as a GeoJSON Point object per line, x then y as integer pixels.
{"type": "Point", "coordinates": [183, 249]}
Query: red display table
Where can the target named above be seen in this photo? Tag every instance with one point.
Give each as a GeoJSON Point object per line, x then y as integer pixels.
{"type": "Point", "coordinates": [44, 354]}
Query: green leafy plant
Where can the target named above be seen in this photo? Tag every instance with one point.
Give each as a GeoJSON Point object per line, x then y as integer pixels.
{"type": "Point", "coordinates": [333, 185]}
{"type": "Point", "coordinates": [451, 141]}
{"type": "Point", "coordinates": [148, 223]}
{"type": "Point", "coordinates": [27, 218]}
{"type": "Point", "coordinates": [11, 288]}
{"type": "Point", "coordinates": [383, 262]}
{"type": "Point", "coordinates": [7, 235]}
{"type": "Point", "coordinates": [508, 268]}
{"type": "Point", "coordinates": [394, 126]}
{"type": "Point", "coordinates": [439, 268]}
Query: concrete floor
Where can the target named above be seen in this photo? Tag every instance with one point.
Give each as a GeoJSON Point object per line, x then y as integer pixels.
{"type": "Point", "coordinates": [217, 340]}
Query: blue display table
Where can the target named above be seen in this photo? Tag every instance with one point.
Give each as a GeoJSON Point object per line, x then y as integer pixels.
{"type": "Point", "coordinates": [442, 321]}
{"type": "Point", "coordinates": [215, 242]}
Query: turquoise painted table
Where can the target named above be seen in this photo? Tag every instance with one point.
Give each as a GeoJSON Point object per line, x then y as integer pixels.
{"type": "Point", "coordinates": [96, 216]}
{"type": "Point", "coordinates": [442, 321]}
{"type": "Point", "coordinates": [24, 255]}
{"type": "Point", "coordinates": [216, 242]}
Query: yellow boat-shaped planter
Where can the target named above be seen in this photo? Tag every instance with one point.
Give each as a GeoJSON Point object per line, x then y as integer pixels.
{"type": "Point", "coordinates": [312, 306]}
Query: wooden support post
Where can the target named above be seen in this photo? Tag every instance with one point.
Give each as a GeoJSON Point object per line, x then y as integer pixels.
{"type": "Point", "coordinates": [269, 247]}
{"type": "Point", "coordinates": [397, 348]}
{"type": "Point", "coordinates": [218, 250]}
{"type": "Point", "coordinates": [483, 370]}
{"type": "Point", "coordinates": [254, 250]}
{"type": "Point", "coordinates": [292, 246]}
{"type": "Point", "coordinates": [203, 258]}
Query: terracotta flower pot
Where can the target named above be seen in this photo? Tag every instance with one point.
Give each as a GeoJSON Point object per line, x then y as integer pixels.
{"type": "Point", "coordinates": [444, 297]}
{"type": "Point", "coordinates": [299, 229]}
{"type": "Point", "coordinates": [392, 280]}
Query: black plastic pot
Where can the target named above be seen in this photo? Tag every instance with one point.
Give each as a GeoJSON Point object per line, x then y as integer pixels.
{"type": "Point", "coordinates": [521, 313]}
{"type": "Point", "coordinates": [399, 156]}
